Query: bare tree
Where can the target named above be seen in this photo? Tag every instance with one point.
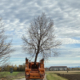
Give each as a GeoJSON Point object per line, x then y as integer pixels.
{"type": "Point", "coordinates": [41, 39]}
{"type": "Point", "coordinates": [5, 45]}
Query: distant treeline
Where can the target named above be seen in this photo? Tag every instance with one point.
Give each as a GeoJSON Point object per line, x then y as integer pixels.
{"type": "Point", "coordinates": [15, 68]}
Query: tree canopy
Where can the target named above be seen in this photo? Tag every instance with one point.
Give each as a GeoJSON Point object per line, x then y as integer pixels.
{"type": "Point", "coordinates": [41, 38]}
{"type": "Point", "coordinates": [5, 45]}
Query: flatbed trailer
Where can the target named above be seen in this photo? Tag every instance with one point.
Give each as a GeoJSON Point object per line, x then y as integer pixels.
{"type": "Point", "coordinates": [34, 72]}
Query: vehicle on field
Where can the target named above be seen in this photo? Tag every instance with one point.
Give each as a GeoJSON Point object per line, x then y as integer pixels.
{"type": "Point", "coordinates": [34, 71]}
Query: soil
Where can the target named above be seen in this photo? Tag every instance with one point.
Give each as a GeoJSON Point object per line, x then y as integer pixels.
{"type": "Point", "coordinates": [70, 76]}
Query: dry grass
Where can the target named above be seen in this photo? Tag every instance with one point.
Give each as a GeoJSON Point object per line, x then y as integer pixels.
{"type": "Point", "coordinates": [11, 76]}
{"type": "Point", "coordinates": [52, 76]}
{"type": "Point", "coordinates": [64, 72]}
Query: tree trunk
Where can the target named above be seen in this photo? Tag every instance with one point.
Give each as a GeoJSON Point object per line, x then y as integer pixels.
{"type": "Point", "coordinates": [36, 58]}
{"type": "Point", "coordinates": [37, 51]}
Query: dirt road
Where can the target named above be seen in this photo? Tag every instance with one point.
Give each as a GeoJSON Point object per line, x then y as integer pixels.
{"type": "Point", "coordinates": [25, 79]}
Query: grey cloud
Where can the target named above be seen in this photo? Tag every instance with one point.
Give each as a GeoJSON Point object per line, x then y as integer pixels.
{"type": "Point", "coordinates": [68, 52]}
{"type": "Point", "coordinates": [64, 13]}
{"type": "Point", "coordinates": [73, 3]}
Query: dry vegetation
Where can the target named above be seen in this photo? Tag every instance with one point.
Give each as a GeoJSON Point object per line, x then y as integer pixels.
{"type": "Point", "coordinates": [11, 76]}
{"type": "Point", "coordinates": [71, 75]}
{"type": "Point", "coordinates": [64, 72]}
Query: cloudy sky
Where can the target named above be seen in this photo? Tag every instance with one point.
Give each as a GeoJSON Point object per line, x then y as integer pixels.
{"type": "Point", "coordinates": [17, 15]}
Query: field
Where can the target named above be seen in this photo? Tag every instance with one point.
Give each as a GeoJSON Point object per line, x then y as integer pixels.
{"type": "Point", "coordinates": [51, 75]}
{"type": "Point", "coordinates": [11, 76]}
{"type": "Point", "coordinates": [63, 75]}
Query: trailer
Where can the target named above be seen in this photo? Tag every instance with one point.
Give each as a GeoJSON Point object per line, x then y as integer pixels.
{"type": "Point", "coordinates": [34, 72]}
